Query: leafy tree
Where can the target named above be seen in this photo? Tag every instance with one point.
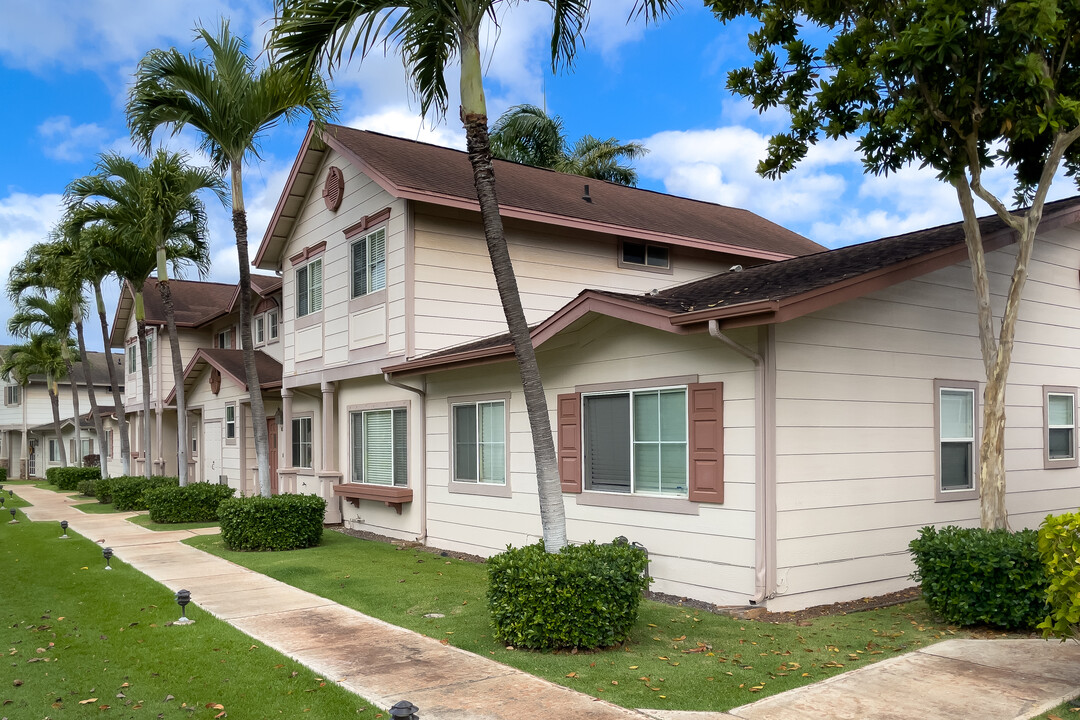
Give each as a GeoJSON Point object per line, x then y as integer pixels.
{"type": "Point", "coordinates": [40, 355]}
{"type": "Point", "coordinates": [429, 34]}
{"type": "Point", "coordinates": [159, 217]}
{"type": "Point", "coordinates": [956, 85]}
{"type": "Point", "coordinates": [231, 104]}
{"type": "Point", "coordinates": [528, 135]}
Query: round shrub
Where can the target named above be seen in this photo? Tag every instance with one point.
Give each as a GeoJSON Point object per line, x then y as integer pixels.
{"type": "Point", "coordinates": [103, 489]}
{"type": "Point", "coordinates": [128, 491]}
{"type": "Point", "coordinates": [971, 576]}
{"type": "Point", "coordinates": [86, 487]}
{"type": "Point", "coordinates": [281, 522]}
{"type": "Point", "coordinates": [585, 596]}
{"type": "Point", "coordinates": [1059, 547]}
{"type": "Point", "coordinates": [68, 478]}
{"type": "Point", "coordinates": [197, 502]}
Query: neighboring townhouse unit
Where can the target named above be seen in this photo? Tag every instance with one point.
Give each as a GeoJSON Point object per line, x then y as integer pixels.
{"type": "Point", "coordinates": [28, 442]}
{"type": "Point", "coordinates": [383, 259]}
{"type": "Point", "coordinates": [208, 325]}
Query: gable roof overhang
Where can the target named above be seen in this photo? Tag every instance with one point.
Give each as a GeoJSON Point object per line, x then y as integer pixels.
{"type": "Point", "coordinates": [430, 189]}
{"type": "Point", "coordinates": [225, 362]}
{"type": "Point", "coordinates": [195, 302]}
{"type": "Point", "coordinates": [666, 313]}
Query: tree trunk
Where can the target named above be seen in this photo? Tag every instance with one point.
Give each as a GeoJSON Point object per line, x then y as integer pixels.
{"type": "Point", "coordinates": [177, 368]}
{"type": "Point", "coordinates": [54, 400]}
{"type": "Point", "coordinates": [65, 355]}
{"type": "Point", "coordinates": [140, 323]}
{"type": "Point", "coordinates": [99, 425]}
{"type": "Point", "coordinates": [552, 512]}
{"type": "Point", "coordinates": [118, 404]}
{"type": "Point", "coordinates": [258, 410]}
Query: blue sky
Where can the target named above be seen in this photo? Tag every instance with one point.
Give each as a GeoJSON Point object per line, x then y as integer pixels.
{"type": "Point", "coordinates": [66, 67]}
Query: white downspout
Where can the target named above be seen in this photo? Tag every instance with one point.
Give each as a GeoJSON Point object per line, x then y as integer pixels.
{"type": "Point", "coordinates": [762, 485]}
{"type": "Point", "coordinates": [421, 393]}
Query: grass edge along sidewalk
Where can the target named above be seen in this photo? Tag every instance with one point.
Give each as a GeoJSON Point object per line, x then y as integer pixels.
{"type": "Point", "coordinates": [677, 659]}
{"type": "Point", "coordinates": [81, 639]}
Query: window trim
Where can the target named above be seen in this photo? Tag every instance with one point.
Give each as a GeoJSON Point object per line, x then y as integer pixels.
{"type": "Point", "coordinates": [971, 493]}
{"type": "Point", "coordinates": [363, 237]}
{"type": "Point", "coordinates": [294, 438]}
{"type": "Point", "coordinates": [477, 488]}
{"type": "Point", "coordinates": [310, 312]}
{"type": "Point", "coordinates": [1055, 463]}
{"type": "Point", "coordinates": [259, 329]}
{"type": "Point", "coordinates": [132, 354]}
{"type": "Point", "coordinates": [272, 320]}
{"type": "Point", "coordinates": [360, 410]}
{"type": "Point", "coordinates": [623, 263]}
{"type": "Point", "coordinates": [230, 424]}
{"type": "Point", "coordinates": [9, 392]}
{"type": "Point", "coordinates": [151, 340]}
{"type": "Point", "coordinates": [109, 443]}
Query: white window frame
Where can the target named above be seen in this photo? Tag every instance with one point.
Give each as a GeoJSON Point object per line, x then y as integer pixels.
{"type": "Point", "coordinates": [296, 452]}
{"type": "Point", "coordinates": [54, 450]}
{"type": "Point", "coordinates": [230, 423]}
{"type": "Point", "coordinates": [223, 339]}
{"type": "Point", "coordinates": [587, 480]}
{"type": "Point", "coordinates": [260, 329]}
{"type": "Point", "coordinates": [149, 350]}
{"type": "Point", "coordinates": [272, 321]}
{"type": "Point", "coordinates": [476, 443]}
{"type": "Point", "coordinates": [971, 491]}
{"type": "Point", "coordinates": [108, 443]}
{"type": "Point", "coordinates": [372, 283]}
{"type": "Point", "coordinates": [645, 265]}
{"type": "Point", "coordinates": [399, 474]}
{"type": "Point", "coordinates": [1070, 393]}
{"type": "Point", "coordinates": [132, 354]}
{"type": "Point", "coordinates": [312, 300]}
{"type": "Point", "coordinates": [13, 395]}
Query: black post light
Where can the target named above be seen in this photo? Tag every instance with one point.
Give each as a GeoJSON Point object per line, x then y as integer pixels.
{"type": "Point", "coordinates": [404, 710]}
{"type": "Point", "coordinates": [13, 520]}
{"type": "Point", "coordinates": [1, 501]}
{"type": "Point", "coordinates": [107, 553]}
{"type": "Point", "coordinates": [183, 597]}
{"type": "Point", "coordinates": [64, 527]}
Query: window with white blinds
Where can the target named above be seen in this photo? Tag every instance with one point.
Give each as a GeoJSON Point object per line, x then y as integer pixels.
{"type": "Point", "coordinates": [309, 288]}
{"type": "Point", "coordinates": [369, 263]}
{"type": "Point", "coordinates": [380, 447]}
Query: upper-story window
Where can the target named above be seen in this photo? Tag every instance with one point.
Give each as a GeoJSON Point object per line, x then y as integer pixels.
{"type": "Point", "coordinates": [149, 351]}
{"type": "Point", "coordinates": [647, 255]}
{"type": "Point", "coordinates": [272, 321]}
{"type": "Point", "coordinates": [309, 288]}
{"type": "Point", "coordinates": [224, 339]}
{"type": "Point", "coordinates": [260, 329]}
{"type": "Point", "coordinates": [369, 263]}
{"type": "Point", "coordinates": [132, 353]}
{"type": "Point", "coordinates": [12, 395]}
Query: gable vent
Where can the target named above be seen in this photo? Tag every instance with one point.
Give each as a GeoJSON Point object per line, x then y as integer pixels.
{"type": "Point", "coordinates": [333, 189]}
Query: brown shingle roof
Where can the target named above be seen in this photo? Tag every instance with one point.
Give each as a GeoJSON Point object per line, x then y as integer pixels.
{"type": "Point", "coordinates": [443, 176]}
{"type": "Point", "coordinates": [231, 363]}
{"type": "Point", "coordinates": [194, 301]}
{"type": "Point", "coordinates": [99, 373]}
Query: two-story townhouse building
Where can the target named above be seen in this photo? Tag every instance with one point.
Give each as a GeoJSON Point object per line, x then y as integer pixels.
{"type": "Point", "coordinates": [773, 421]}
{"type": "Point", "coordinates": [208, 326]}
{"type": "Point", "coordinates": [28, 442]}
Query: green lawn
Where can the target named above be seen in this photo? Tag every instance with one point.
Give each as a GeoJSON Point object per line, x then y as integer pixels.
{"type": "Point", "coordinates": [146, 522]}
{"type": "Point", "coordinates": [676, 659]}
{"type": "Point", "coordinates": [95, 507]}
{"type": "Point", "coordinates": [81, 642]}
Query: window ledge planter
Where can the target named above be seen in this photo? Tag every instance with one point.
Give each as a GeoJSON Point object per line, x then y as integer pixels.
{"type": "Point", "coordinates": [394, 497]}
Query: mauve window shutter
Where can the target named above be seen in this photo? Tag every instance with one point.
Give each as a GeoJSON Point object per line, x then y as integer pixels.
{"type": "Point", "coordinates": [706, 442]}
{"type": "Point", "coordinates": [569, 422]}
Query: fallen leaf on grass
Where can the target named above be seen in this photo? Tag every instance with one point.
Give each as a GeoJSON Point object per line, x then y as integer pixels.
{"type": "Point", "coordinates": [88, 701]}
{"type": "Point", "coordinates": [103, 707]}
{"type": "Point", "coordinates": [571, 674]}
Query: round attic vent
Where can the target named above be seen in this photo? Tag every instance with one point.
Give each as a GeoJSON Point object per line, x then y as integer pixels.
{"type": "Point", "coordinates": [333, 189]}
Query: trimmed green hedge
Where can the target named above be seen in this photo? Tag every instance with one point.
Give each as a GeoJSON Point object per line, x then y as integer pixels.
{"type": "Point", "coordinates": [585, 596]}
{"type": "Point", "coordinates": [971, 576]}
{"type": "Point", "coordinates": [87, 487]}
{"type": "Point", "coordinates": [197, 502]}
{"type": "Point", "coordinates": [128, 491]}
{"type": "Point", "coordinates": [1059, 547]}
{"type": "Point", "coordinates": [3, 475]}
{"type": "Point", "coordinates": [281, 522]}
{"type": "Point", "coordinates": [103, 489]}
{"type": "Point", "coordinates": [68, 478]}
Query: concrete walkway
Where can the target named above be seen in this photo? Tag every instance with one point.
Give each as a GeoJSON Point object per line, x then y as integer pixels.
{"type": "Point", "coordinates": [988, 679]}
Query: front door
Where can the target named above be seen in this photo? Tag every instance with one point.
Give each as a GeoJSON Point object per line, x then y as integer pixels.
{"type": "Point", "coordinates": [211, 451]}
{"type": "Point", "coordinates": [31, 461]}
{"type": "Point", "coordinates": [272, 438]}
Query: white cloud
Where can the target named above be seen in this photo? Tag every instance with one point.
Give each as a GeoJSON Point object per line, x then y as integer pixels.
{"type": "Point", "coordinates": [61, 140]}
{"type": "Point", "coordinates": [403, 122]}
{"type": "Point", "coordinates": [24, 220]}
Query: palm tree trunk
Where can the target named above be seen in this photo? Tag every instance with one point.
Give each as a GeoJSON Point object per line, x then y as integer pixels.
{"type": "Point", "coordinates": [177, 367]}
{"type": "Point", "coordinates": [474, 116]}
{"type": "Point", "coordinates": [54, 400]}
{"type": "Point", "coordinates": [99, 426]}
{"type": "Point", "coordinates": [118, 405]}
{"type": "Point", "coordinates": [77, 460]}
{"type": "Point", "coordinates": [258, 410]}
{"type": "Point", "coordinates": [140, 324]}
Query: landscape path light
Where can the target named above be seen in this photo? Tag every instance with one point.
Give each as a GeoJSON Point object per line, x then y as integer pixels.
{"type": "Point", "coordinates": [13, 520]}
{"type": "Point", "coordinates": [183, 597]}
{"type": "Point", "coordinates": [107, 553]}
{"type": "Point", "coordinates": [404, 710]}
{"type": "Point", "coordinates": [64, 527]}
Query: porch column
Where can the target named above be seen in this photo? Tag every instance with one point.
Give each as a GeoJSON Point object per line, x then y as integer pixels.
{"type": "Point", "coordinates": [328, 474]}
{"type": "Point", "coordinates": [286, 473]}
{"type": "Point", "coordinates": [159, 462]}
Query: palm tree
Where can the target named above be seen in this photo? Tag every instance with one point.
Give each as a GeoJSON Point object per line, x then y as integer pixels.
{"type": "Point", "coordinates": [528, 135]}
{"type": "Point", "coordinates": [161, 219]}
{"type": "Point", "coordinates": [429, 33]}
{"type": "Point", "coordinates": [41, 355]}
{"type": "Point", "coordinates": [231, 104]}
{"type": "Point", "coordinates": [39, 314]}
